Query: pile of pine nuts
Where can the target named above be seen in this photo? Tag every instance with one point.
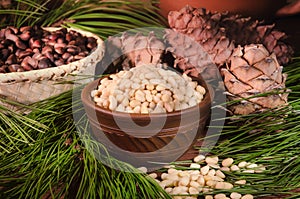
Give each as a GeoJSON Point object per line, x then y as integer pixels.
{"type": "Point", "coordinates": [204, 175]}
{"type": "Point", "coordinates": [148, 89]}
{"type": "Point", "coordinates": [31, 48]}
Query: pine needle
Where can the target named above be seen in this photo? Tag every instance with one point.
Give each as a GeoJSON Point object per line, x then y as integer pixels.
{"type": "Point", "coordinates": [58, 164]}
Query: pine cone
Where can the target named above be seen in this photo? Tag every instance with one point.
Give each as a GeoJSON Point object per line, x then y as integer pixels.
{"type": "Point", "coordinates": [203, 27]}
{"type": "Point", "coordinates": [127, 51]}
{"type": "Point", "coordinates": [141, 49]}
{"type": "Point", "coordinates": [112, 58]}
{"type": "Point", "coordinates": [189, 56]}
{"type": "Point", "coordinates": [252, 70]}
{"type": "Point", "coordinates": [246, 31]}
{"type": "Point", "coordinates": [216, 31]}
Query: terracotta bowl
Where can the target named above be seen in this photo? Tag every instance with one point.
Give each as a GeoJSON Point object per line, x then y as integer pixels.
{"type": "Point", "coordinates": [169, 134]}
{"type": "Point", "coordinates": [264, 9]}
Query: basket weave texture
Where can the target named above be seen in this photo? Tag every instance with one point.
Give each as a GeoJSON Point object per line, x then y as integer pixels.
{"type": "Point", "coordinates": [36, 85]}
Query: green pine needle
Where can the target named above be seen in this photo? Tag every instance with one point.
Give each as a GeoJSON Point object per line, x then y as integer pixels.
{"type": "Point", "coordinates": [57, 163]}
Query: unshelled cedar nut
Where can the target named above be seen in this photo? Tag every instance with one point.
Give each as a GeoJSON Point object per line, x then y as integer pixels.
{"type": "Point", "coordinates": [20, 44]}
{"type": "Point", "coordinates": [23, 54]}
{"type": "Point", "coordinates": [44, 63]}
{"type": "Point", "coordinates": [2, 69]}
{"type": "Point", "coordinates": [25, 36]}
{"type": "Point", "coordinates": [14, 68]}
{"type": "Point", "coordinates": [66, 55]}
{"type": "Point", "coordinates": [50, 56]}
{"type": "Point", "coordinates": [59, 62]}
{"type": "Point", "coordinates": [12, 59]}
{"type": "Point", "coordinates": [10, 35]}
{"type": "Point", "coordinates": [5, 53]}
{"type": "Point", "coordinates": [47, 48]}
{"type": "Point", "coordinates": [25, 28]}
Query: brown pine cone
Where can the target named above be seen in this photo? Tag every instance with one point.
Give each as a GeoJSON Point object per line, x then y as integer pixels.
{"type": "Point", "coordinates": [203, 27]}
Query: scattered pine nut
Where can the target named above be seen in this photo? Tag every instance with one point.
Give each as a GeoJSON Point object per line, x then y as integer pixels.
{"type": "Point", "coordinates": [241, 182]}
{"type": "Point", "coordinates": [199, 158]}
{"type": "Point", "coordinates": [247, 196]}
{"type": "Point", "coordinates": [242, 164]}
{"type": "Point", "coordinates": [212, 160]}
{"type": "Point", "coordinates": [234, 168]}
{"type": "Point", "coordinates": [227, 162]}
{"type": "Point", "coordinates": [235, 195]}
{"type": "Point", "coordinates": [205, 178]}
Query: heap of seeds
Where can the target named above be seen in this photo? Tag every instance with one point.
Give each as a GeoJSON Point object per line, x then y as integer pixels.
{"type": "Point", "coordinates": [205, 175]}
{"type": "Point", "coordinates": [32, 48]}
{"type": "Point", "coordinates": [148, 89]}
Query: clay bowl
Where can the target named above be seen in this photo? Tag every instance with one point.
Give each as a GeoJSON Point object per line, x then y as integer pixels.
{"type": "Point", "coordinates": [263, 9]}
{"type": "Point", "coordinates": [157, 136]}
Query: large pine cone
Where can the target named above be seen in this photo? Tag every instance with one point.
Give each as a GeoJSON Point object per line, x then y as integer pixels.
{"type": "Point", "coordinates": [249, 31]}
{"type": "Point", "coordinates": [216, 31]}
{"type": "Point", "coordinates": [203, 26]}
{"type": "Point", "coordinates": [252, 70]}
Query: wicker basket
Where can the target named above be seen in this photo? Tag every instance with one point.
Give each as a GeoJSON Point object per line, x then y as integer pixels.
{"type": "Point", "coordinates": [36, 85]}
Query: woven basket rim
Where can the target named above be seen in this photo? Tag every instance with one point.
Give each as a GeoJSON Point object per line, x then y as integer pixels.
{"type": "Point", "coordinates": [53, 72]}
